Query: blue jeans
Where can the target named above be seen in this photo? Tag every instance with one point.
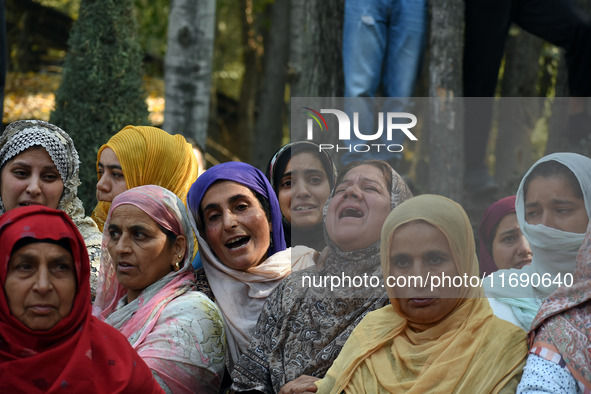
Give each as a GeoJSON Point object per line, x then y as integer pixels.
{"type": "Point", "coordinates": [383, 43]}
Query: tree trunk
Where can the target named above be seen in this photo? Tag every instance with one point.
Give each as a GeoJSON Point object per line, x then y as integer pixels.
{"type": "Point", "coordinates": [315, 62]}
{"type": "Point", "coordinates": [517, 117]}
{"type": "Point", "coordinates": [316, 59]}
{"type": "Point", "coordinates": [557, 141]}
{"type": "Point", "coordinates": [446, 138]}
{"type": "Point", "coordinates": [268, 128]}
{"type": "Point", "coordinates": [188, 65]}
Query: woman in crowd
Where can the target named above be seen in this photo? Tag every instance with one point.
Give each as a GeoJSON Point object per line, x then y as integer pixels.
{"type": "Point", "coordinates": [303, 326]}
{"type": "Point", "coordinates": [142, 155]}
{"type": "Point", "coordinates": [553, 206]}
{"type": "Point", "coordinates": [39, 166]}
{"type": "Point", "coordinates": [302, 177]}
{"type": "Point", "coordinates": [559, 360]}
{"type": "Point", "coordinates": [49, 340]}
{"type": "Point", "coordinates": [238, 221]}
{"type": "Point", "coordinates": [147, 291]}
{"type": "Point", "coordinates": [502, 244]}
{"type": "Point", "coordinates": [442, 340]}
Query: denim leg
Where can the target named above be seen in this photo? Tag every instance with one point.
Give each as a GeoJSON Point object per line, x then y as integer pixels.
{"type": "Point", "coordinates": [371, 50]}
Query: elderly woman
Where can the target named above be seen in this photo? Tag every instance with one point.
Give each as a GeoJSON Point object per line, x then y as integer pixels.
{"type": "Point", "coordinates": [303, 177]}
{"type": "Point", "coordinates": [305, 322]}
{"type": "Point", "coordinates": [502, 244]}
{"type": "Point", "coordinates": [553, 207]}
{"type": "Point", "coordinates": [241, 241]}
{"type": "Point", "coordinates": [49, 341]}
{"type": "Point", "coordinates": [147, 291]}
{"type": "Point", "coordinates": [559, 360]}
{"type": "Point", "coordinates": [142, 155]}
{"type": "Point", "coordinates": [39, 166]}
{"type": "Point", "coordinates": [442, 340]}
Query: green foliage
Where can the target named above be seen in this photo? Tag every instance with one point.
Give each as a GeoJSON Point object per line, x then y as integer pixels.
{"type": "Point", "coordinates": [152, 18]}
{"type": "Point", "coordinates": [101, 90]}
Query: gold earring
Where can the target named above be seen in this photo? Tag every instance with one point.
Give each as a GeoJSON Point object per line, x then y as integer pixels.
{"type": "Point", "coordinates": [180, 256]}
{"type": "Point", "coordinates": [177, 266]}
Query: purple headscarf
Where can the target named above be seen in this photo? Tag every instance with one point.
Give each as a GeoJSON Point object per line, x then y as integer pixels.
{"type": "Point", "coordinates": [486, 232]}
{"type": "Point", "coordinates": [248, 176]}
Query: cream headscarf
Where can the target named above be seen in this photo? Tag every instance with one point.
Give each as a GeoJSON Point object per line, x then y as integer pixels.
{"type": "Point", "coordinates": [468, 351]}
{"type": "Point", "coordinates": [151, 156]}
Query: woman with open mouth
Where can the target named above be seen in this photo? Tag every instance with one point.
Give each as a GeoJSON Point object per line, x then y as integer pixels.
{"type": "Point", "coordinates": [238, 220]}
{"type": "Point", "coordinates": [39, 165]}
{"type": "Point", "coordinates": [49, 340]}
{"type": "Point", "coordinates": [147, 291]}
{"type": "Point", "coordinates": [306, 321]}
{"type": "Point", "coordinates": [302, 177]}
{"type": "Point", "coordinates": [443, 339]}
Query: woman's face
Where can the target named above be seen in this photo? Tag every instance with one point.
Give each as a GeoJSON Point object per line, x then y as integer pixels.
{"type": "Point", "coordinates": [236, 226]}
{"type": "Point", "coordinates": [303, 190]}
{"type": "Point", "coordinates": [40, 285]}
{"type": "Point", "coordinates": [139, 249]}
{"type": "Point", "coordinates": [510, 249]}
{"type": "Point", "coordinates": [552, 202]}
{"type": "Point", "coordinates": [111, 179]}
{"type": "Point", "coordinates": [31, 178]}
{"type": "Point", "coordinates": [358, 209]}
{"type": "Point", "coordinates": [418, 249]}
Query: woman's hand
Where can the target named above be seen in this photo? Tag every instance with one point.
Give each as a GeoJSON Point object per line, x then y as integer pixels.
{"type": "Point", "coordinates": [303, 384]}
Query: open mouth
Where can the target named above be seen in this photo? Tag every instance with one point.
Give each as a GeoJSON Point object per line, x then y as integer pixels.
{"type": "Point", "coordinates": [237, 242]}
{"type": "Point", "coordinates": [351, 213]}
{"type": "Point", "coordinates": [27, 203]}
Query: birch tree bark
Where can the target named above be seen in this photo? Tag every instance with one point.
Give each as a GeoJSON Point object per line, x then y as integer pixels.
{"type": "Point", "coordinates": [446, 134]}
{"type": "Point", "coordinates": [188, 67]}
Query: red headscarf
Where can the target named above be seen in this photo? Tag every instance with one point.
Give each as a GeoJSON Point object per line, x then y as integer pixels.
{"type": "Point", "coordinates": [486, 232]}
{"type": "Point", "coordinates": [79, 353]}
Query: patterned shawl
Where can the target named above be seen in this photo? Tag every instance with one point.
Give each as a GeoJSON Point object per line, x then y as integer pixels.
{"type": "Point", "coordinates": [150, 156]}
{"type": "Point", "coordinates": [177, 331]}
{"type": "Point", "coordinates": [80, 353]}
{"type": "Point", "coordinates": [302, 329]}
{"type": "Point", "coordinates": [563, 323]}
{"type": "Point", "coordinates": [23, 134]}
{"type": "Point", "coordinates": [389, 353]}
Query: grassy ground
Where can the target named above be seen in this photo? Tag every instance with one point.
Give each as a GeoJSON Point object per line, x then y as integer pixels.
{"type": "Point", "coordinates": [31, 96]}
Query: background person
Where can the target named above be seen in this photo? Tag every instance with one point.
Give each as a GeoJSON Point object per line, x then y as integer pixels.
{"type": "Point", "coordinates": [147, 291]}
{"type": "Point", "coordinates": [49, 341]}
{"type": "Point", "coordinates": [142, 155]}
{"type": "Point", "coordinates": [502, 244]}
{"type": "Point", "coordinates": [302, 177]}
{"type": "Point", "coordinates": [39, 165]}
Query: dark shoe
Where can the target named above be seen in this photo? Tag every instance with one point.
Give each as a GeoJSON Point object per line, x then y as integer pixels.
{"type": "Point", "coordinates": [478, 181]}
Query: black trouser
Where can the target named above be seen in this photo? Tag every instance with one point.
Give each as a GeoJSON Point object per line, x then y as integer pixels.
{"type": "Point", "coordinates": [559, 22]}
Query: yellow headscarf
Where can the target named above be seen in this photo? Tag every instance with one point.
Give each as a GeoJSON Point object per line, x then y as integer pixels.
{"type": "Point", "coordinates": [151, 156]}
{"type": "Point", "coordinates": [468, 351]}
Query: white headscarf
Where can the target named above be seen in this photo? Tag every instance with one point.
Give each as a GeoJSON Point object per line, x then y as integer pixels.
{"type": "Point", "coordinates": [554, 251]}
